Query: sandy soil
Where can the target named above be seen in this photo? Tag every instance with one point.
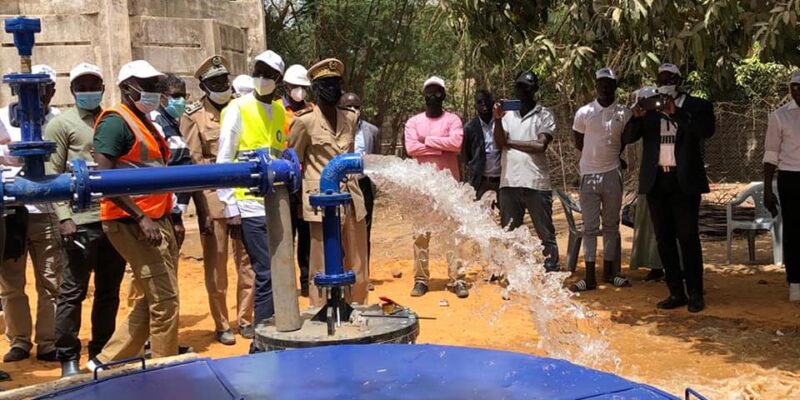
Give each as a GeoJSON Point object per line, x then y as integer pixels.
{"type": "Point", "coordinates": [745, 345]}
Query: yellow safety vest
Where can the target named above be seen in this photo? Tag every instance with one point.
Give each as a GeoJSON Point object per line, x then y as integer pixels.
{"type": "Point", "coordinates": [259, 131]}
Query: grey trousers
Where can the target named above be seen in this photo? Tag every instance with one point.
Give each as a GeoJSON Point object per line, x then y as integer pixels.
{"type": "Point", "coordinates": [601, 197]}
{"type": "Point", "coordinates": [513, 201]}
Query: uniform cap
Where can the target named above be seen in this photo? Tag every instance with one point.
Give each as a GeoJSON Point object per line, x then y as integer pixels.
{"type": "Point", "coordinates": [669, 68]}
{"type": "Point", "coordinates": [326, 68]}
{"type": "Point", "coordinates": [605, 73]}
{"type": "Point", "coordinates": [297, 75]}
{"type": "Point", "coordinates": [212, 67]}
{"type": "Point", "coordinates": [272, 59]}
{"type": "Point", "coordinates": [137, 69]}
{"type": "Point", "coordinates": [433, 80]}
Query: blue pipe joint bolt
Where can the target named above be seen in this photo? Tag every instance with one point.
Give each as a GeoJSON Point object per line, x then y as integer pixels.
{"type": "Point", "coordinates": [82, 194]}
{"type": "Point", "coordinates": [270, 171]}
{"type": "Point", "coordinates": [23, 30]}
{"type": "Point", "coordinates": [337, 280]}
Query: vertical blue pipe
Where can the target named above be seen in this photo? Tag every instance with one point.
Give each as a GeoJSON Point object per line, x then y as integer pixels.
{"type": "Point", "coordinates": [332, 241]}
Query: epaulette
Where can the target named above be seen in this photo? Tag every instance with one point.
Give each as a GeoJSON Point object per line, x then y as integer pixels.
{"type": "Point", "coordinates": [194, 107]}
{"type": "Point", "coordinates": [303, 111]}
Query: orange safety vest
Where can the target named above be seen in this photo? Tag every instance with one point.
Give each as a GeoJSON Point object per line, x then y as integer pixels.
{"type": "Point", "coordinates": [149, 150]}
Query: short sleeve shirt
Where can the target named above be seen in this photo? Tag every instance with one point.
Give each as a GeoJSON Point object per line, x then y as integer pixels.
{"type": "Point", "coordinates": [602, 136]}
{"type": "Point", "coordinates": [518, 168]}
{"type": "Point", "coordinates": [112, 136]}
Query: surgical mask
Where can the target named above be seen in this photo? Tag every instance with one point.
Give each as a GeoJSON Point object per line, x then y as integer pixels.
{"type": "Point", "coordinates": [148, 101]}
{"type": "Point", "coordinates": [671, 90]}
{"type": "Point", "coordinates": [88, 101]}
{"type": "Point", "coordinates": [175, 106]}
{"type": "Point", "coordinates": [220, 98]}
{"type": "Point", "coordinates": [298, 94]}
{"type": "Point", "coordinates": [264, 86]}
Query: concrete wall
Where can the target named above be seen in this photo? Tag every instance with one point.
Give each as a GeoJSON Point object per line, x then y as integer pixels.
{"type": "Point", "coordinates": [173, 35]}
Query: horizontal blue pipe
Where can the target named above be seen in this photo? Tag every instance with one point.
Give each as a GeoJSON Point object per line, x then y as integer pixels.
{"type": "Point", "coordinates": [336, 170]}
{"type": "Point", "coordinates": [44, 190]}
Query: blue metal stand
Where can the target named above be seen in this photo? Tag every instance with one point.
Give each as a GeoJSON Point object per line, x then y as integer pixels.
{"type": "Point", "coordinates": [333, 282]}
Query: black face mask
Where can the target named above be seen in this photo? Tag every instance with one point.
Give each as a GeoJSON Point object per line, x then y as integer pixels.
{"type": "Point", "coordinates": [329, 93]}
{"type": "Point", "coordinates": [524, 93]}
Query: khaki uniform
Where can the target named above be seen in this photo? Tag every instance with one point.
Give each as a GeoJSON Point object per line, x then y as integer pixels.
{"type": "Point", "coordinates": [316, 144]}
{"type": "Point", "coordinates": [200, 130]}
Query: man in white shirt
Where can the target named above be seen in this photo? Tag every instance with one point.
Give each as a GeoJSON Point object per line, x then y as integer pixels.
{"type": "Point", "coordinates": [254, 121]}
{"type": "Point", "coordinates": [782, 154]}
{"type": "Point", "coordinates": [46, 252]}
{"type": "Point", "coordinates": [598, 130]}
{"type": "Point", "coordinates": [523, 136]}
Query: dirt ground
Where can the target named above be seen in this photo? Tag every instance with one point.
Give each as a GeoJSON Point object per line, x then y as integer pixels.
{"type": "Point", "coordinates": [746, 344]}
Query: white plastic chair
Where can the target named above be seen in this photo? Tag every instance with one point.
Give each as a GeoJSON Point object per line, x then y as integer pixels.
{"type": "Point", "coordinates": [763, 221]}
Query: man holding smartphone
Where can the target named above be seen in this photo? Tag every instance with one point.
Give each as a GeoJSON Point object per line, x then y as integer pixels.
{"type": "Point", "coordinates": [523, 136]}
{"type": "Point", "coordinates": [673, 177]}
{"type": "Point", "coordinates": [597, 130]}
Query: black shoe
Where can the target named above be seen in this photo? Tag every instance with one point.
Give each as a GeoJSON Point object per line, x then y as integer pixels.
{"type": "Point", "coordinates": [247, 331]}
{"type": "Point", "coordinates": [419, 289]}
{"type": "Point", "coordinates": [696, 304]}
{"type": "Point", "coordinates": [460, 289]}
{"type": "Point", "coordinates": [4, 376]}
{"type": "Point", "coordinates": [371, 286]}
{"type": "Point", "coordinates": [654, 275]}
{"type": "Point", "coordinates": [16, 354]}
{"type": "Point", "coordinates": [671, 302]}
{"type": "Point", "coordinates": [185, 349]}
{"type": "Point", "coordinates": [51, 356]}
{"type": "Point", "coordinates": [304, 291]}
{"type": "Point", "coordinates": [69, 368]}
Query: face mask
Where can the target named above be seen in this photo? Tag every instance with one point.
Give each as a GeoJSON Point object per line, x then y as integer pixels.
{"type": "Point", "coordinates": [671, 90]}
{"type": "Point", "coordinates": [329, 94]}
{"type": "Point", "coordinates": [434, 101]}
{"type": "Point", "coordinates": [264, 86]}
{"type": "Point", "coordinates": [175, 106]}
{"type": "Point", "coordinates": [88, 101]}
{"type": "Point", "coordinates": [148, 101]}
{"type": "Point", "coordinates": [298, 94]}
{"type": "Point", "coordinates": [220, 98]}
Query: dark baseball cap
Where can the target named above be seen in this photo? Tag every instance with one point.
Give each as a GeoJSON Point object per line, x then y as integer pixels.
{"type": "Point", "coordinates": [527, 78]}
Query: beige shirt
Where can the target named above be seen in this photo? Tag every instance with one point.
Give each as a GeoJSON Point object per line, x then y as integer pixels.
{"type": "Point", "coordinates": [316, 143]}
{"type": "Point", "coordinates": [200, 130]}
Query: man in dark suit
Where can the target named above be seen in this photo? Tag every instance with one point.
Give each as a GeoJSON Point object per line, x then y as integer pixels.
{"type": "Point", "coordinates": [367, 142]}
{"type": "Point", "coordinates": [478, 151]}
{"type": "Point", "coordinates": [673, 177]}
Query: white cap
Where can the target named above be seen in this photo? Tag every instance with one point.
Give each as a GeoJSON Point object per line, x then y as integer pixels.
{"type": "Point", "coordinates": [44, 69]}
{"type": "Point", "coordinates": [605, 73]}
{"type": "Point", "coordinates": [795, 76]}
{"type": "Point", "coordinates": [669, 68]}
{"type": "Point", "coordinates": [137, 69]}
{"type": "Point", "coordinates": [645, 92]}
{"type": "Point", "coordinates": [84, 69]}
{"type": "Point", "coordinates": [272, 59]}
{"type": "Point", "coordinates": [243, 84]}
{"type": "Point", "coordinates": [297, 75]}
{"type": "Point", "coordinates": [433, 80]}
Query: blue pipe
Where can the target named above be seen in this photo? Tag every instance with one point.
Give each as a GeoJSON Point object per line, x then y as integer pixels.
{"type": "Point", "coordinates": [330, 198]}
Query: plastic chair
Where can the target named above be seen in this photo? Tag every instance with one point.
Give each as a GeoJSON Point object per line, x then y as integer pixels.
{"type": "Point", "coordinates": [576, 233]}
{"type": "Point", "coordinates": [763, 221]}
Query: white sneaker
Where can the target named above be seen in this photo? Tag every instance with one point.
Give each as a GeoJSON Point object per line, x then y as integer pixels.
{"type": "Point", "coordinates": [794, 292]}
{"type": "Point", "coordinates": [93, 364]}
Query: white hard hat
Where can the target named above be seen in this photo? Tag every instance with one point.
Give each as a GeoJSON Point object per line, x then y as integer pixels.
{"type": "Point", "coordinates": [44, 69]}
{"type": "Point", "coordinates": [243, 84]}
{"type": "Point", "coordinates": [272, 59]}
{"type": "Point", "coordinates": [137, 69]}
{"type": "Point", "coordinates": [297, 75]}
{"type": "Point", "coordinates": [670, 68]}
{"type": "Point", "coordinates": [84, 69]}
{"type": "Point", "coordinates": [433, 80]}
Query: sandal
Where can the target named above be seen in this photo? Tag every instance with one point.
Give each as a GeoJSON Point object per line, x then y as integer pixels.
{"type": "Point", "coordinates": [582, 286]}
{"type": "Point", "coordinates": [619, 281]}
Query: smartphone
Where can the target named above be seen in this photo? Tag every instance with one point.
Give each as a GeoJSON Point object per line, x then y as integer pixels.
{"type": "Point", "coordinates": [510, 105]}
{"type": "Point", "coordinates": [652, 103]}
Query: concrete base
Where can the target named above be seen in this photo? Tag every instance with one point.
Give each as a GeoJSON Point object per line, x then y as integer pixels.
{"type": "Point", "coordinates": [368, 325]}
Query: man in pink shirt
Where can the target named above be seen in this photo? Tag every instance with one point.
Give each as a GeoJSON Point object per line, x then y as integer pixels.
{"type": "Point", "coordinates": [435, 137]}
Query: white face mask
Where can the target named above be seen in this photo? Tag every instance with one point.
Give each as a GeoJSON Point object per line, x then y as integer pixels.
{"type": "Point", "coordinates": [298, 94]}
{"type": "Point", "coordinates": [671, 90]}
{"type": "Point", "coordinates": [264, 86]}
{"type": "Point", "coordinates": [220, 98]}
